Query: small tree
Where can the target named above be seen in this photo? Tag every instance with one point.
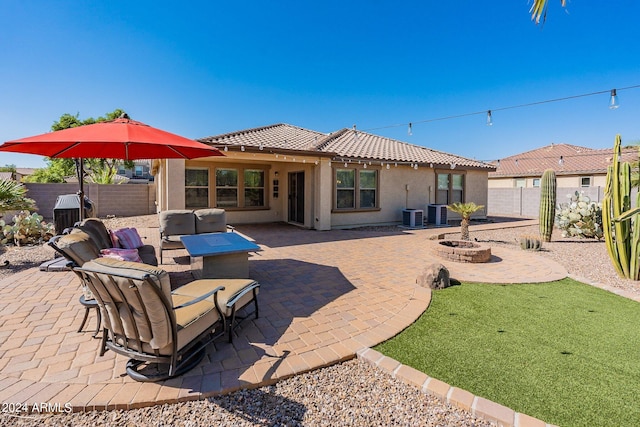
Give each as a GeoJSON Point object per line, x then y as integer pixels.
{"type": "Point", "coordinates": [13, 196]}
{"type": "Point", "coordinates": [465, 210]}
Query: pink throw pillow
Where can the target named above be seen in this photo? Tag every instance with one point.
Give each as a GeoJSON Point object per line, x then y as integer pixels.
{"type": "Point", "coordinates": [128, 238]}
{"type": "Point", "coordinates": [121, 254]}
{"type": "Point", "coordinates": [115, 243]}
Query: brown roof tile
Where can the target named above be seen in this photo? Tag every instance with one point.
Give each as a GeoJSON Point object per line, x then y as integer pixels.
{"type": "Point", "coordinates": [564, 159]}
{"type": "Point", "coordinates": [345, 143]}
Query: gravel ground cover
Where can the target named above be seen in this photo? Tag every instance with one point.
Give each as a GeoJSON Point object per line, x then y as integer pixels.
{"type": "Point", "coordinates": [351, 393]}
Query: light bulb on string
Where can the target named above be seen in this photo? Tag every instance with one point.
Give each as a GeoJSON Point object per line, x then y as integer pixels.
{"type": "Point", "coordinates": [613, 102]}
{"type": "Point", "coordinates": [242, 148]}
{"type": "Point", "coordinates": [489, 118]}
{"type": "Point", "coordinates": [410, 130]}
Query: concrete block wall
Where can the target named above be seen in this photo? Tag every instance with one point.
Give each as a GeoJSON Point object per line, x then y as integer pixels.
{"type": "Point", "coordinates": [119, 200]}
{"type": "Point", "coordinates": [525, 202]}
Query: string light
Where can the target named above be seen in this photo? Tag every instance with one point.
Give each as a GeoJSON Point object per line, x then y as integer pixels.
{"type": "Point", "coordinates": [410, 130]}
{"type": "Point", "coordinates": [613, 104]}
{"type": "Point", "coordinates": [489, 120]}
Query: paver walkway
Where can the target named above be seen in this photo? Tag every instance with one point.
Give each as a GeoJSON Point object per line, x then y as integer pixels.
{"type": "Point", "coordinates": [324, 297]}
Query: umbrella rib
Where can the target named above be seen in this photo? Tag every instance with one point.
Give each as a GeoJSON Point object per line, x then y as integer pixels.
{"type": "Point", "coordinates": [177, 152]}
{"type": "Point", "coordinates": [64, 150]}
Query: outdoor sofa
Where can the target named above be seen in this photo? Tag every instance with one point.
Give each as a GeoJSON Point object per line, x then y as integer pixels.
{"type": "Point", "coordinates": [181, 222]}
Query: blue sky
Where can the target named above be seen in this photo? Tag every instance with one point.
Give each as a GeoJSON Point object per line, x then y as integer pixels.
{"type": "Point", "coordinates": [206, 68]}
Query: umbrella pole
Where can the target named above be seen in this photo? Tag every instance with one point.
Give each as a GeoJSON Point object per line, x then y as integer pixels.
{"type": "Point", "coordinates": [80, 172]}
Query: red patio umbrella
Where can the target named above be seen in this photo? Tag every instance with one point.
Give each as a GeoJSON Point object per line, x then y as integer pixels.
{"type": "Point", "coordinates": [121, 138]}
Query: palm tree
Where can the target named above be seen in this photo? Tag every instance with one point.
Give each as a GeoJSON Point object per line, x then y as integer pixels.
{"type": "Point", "coordinates": [465, 210]}
{"type": "Point", "coordinates": [539, 9]}
{"type": "Point", "coordinates": [13, 196]}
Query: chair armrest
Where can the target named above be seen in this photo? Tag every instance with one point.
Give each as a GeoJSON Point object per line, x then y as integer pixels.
{"type": "Point", "coordinates": [230, 228]}
{"type": "Point", "coordinates": [201, 298]}
{"type": "Point", "coordinates": [242, 293]}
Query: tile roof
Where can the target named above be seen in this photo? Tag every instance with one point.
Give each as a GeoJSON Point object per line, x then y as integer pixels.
{"type": "Point", "coordinates": [564, 159]}
{"type": "Point", "coordinates": [344, 143]}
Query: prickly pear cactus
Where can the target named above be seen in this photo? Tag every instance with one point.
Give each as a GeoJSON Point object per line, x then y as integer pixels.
{"type": "Point", "coordinates": [547, 204]}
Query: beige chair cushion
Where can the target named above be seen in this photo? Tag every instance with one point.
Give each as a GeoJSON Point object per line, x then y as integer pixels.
{"type": "Point", "coordinates": [232, 287]}
{"type": "Point", "coordinates": [210, 220]}
{"type": "Point", "coordinates": [79, 246]}
{"type": "Point", "coordinates": [98, 232]}
{"type": "Point", "coordinates": [157, 332]}
{"type": "Point", "coordinates": [191, 321]}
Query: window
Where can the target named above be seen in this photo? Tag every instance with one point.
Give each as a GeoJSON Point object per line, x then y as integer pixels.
{"type": "Point", "coordinates": [356, 189]}
{"type": "Point", "coordinates": [226, 188]}
{"type": "Point", "coordinates": [196, 188]}
{"type": "Point", "coordinates": [520, 183]}
{"type": "Point", "coordinates": [585, 181]}
{"type": "Point", "coordinates": [240, 188]}
{"type": "Point", "coordinates": [139, 170]}
{"type": "Point", "coordinates": [253, 187]}
{"type": "Point", "coordinates": [536, 182]}
{"type": "Point", "coordinates": [450, 188]}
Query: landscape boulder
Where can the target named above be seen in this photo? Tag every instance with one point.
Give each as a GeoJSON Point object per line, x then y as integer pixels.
{"type": "Point", "coordinates": [434, 276]}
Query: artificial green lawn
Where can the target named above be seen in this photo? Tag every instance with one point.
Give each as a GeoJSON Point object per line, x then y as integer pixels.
{"type": "Point", "coordinates": [564, 352]}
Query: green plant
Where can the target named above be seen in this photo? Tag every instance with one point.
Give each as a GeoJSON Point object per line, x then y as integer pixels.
{"type": "Point", "coordinates": [531, 243]}
{"type": "Point", "coordinates": [547, 204]}
{"type": "Point", "coordinates": [13, 196]}
{"type": "Point", "coordinates": [620, 223]}
{"type": "Point", "coordinates": [580, 217]}
{"type": "Point", "coordinates": [26, 229]}
{"type": "Point", "coordinates": [465, 210]}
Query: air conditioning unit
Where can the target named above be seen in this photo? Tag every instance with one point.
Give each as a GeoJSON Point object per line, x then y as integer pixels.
{"type": "Point", "coordinates": [412, 218]}
{"type": "Point", "coordinates": [437, 214]}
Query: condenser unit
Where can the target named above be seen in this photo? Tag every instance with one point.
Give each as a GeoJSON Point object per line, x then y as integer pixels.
{"type": "Point", "coordinates": [412, 218]}
{"type": "Point", "coordinates": [437, 214]}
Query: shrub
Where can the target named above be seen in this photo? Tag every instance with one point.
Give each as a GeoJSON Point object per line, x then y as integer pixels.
{"type": "Point", "coordinates": [26, 229]}
{"type": "Point", "coordinates": [580, 217]}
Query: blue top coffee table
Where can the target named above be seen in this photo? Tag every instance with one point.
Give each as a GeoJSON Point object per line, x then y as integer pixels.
{"type": "Point", "coordinates": [219, 255]}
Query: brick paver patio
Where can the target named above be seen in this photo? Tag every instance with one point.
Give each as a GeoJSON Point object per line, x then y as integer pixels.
{"type": "Point", "coordinates": [325, 296]}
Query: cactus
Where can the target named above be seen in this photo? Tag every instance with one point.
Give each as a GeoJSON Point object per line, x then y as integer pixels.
{"type": "Point", "coordinates": [531, 243]}
{"type": "Point", "coordinates": [547, 204]}
{"type": "Point", "coordinates": [620, 223]}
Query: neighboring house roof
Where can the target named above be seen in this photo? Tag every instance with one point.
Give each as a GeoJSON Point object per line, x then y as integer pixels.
{"type": "Point", "coordinates": [25, 171]}
{"type": "Point", "coordinates": [344, 144]}
{"type": "Point", "coordinates": [564, 159]}
{"type": "Point", "coordinates": [7, 176]}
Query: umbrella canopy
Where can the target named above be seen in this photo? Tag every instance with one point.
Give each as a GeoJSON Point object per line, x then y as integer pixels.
{"type": "Point", "coordinates": [121, 138]}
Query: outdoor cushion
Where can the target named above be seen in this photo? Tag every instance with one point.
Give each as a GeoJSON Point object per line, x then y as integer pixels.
{"type": "Point", "coordinates": [121, 254]}
{"type": "Point", "coordinates": [210, 220]}
{"type": "Point", "coordinates": [78, 246]}
{"type": "Point", "coordinates": [98, 232]}
{"type": "Point", "coordinates": [128, 238]}
{"type": "Point", "coordinates": [177, 222]}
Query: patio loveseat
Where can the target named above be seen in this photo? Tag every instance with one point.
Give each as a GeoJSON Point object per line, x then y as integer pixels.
{"type": "Point", "coordinates": [181, 222]}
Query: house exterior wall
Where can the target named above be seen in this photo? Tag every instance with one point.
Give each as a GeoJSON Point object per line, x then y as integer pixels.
{"type": "Point", "coordinates": [398, 188]}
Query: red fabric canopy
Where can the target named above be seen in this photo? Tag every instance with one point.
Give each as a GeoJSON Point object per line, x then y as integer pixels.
{"type": "Point", "coordinates": [118, 139]}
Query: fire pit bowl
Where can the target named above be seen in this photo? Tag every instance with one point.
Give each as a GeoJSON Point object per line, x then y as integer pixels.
{"type": "Point", "coordinates": [463, 251]}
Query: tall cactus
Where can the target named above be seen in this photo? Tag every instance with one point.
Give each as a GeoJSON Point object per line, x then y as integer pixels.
{"type": "Point", "coordinates": [547, 204]}
{"type": "Point", "coordinates": [620, 223]}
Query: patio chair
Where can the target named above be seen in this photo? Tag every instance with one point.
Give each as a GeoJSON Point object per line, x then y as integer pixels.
{"type": "Point", "coordinates": [163, 333]}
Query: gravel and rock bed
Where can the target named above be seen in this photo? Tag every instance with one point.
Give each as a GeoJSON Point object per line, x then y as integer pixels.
{"type": "Point", "coordinates": [351, 393]}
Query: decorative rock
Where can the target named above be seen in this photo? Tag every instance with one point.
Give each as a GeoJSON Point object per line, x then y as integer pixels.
{"type": "Point", "coordinates": [434, 276]}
